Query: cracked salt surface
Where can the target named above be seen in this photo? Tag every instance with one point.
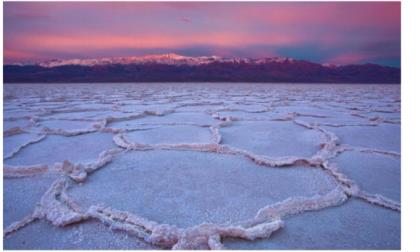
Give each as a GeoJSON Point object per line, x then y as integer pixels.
{"type": "Point", "coordinates": [83, 236]}
{"type": "Point", "coordinates": [20, 196]}
{"type": "Point", "coordinates": [201, 166]}
{"type": "Point", "coordinates": [171, 134]}
{"type": "Point", "coordinates": [353, 225]}
{"type": "Point", "coordinates": [65, 124]}
{"type": "Point", "coordinates": [383, 137]}
{"type": "Point", "coordinates": [56, 148]}
{"type": "Point", "coordinates": [22, 123]}
{"type": "Point", "coordinates": [186, 188]}
{"type": "Point", "coordinates": [274, 139]}
{"type": "Point", "coordinates": [362, 167]}
{"type": "Point", "coordinates": [188, 118]}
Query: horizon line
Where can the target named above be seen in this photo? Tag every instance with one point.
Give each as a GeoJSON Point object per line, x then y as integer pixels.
{"type": "Point", "coordinates": [29, 62]}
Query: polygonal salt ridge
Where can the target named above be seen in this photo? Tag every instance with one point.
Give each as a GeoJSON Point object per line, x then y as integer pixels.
{"type": "Point", "coordinates": [227, 108]}
{"type": "Point", "coordinates": [337, 125]}
{"type": "Point", "coordinates": [110, 119]}
{"type": "Point", "coordinates": [351, 188]}
{"type": "Point", "coordinates": [32, 121]}
{"type": "Point", "coordinates": [296, 114]}
{"type": "Point", "coordinates": [150, 126]}
{"type": "Point", "coordinates": [13, 131]}
{"type": "Point", "coordinates": [163, 235]}
{"type": "Point", "coordinates": [329, 149]}
{"type": "Point", "coordinates": [372, 123]}
{"type": "Point", "coordinates": [217, 147]}
{"type": "Point", "coordinates": [120, 139]}
{"type": "Point", "coordinates": [346, 147]}
{"type": "Point", "coordinates": [31, 118]}
{"type": "Point", "coordinates": [296, 205]}
{"type": "Point", "coordinates": [196, 104]}
{"type": "Point", "coordinates": [20, 147]}
{"type": "Point", "coordinates": [329, 146]}
{"type": "Point", "coordinates": [95, 125]}
{"type": "Point", "coordinates": [379, 200]}
{"type": "Point", "coordinates": [375, 120]}
{"type": "Point", "coordinates": [23, 171]}
{"type": "Point", "coordinates": [68, 133]}
{"type": "Point", "coordinates": [216, 137]}
{"type": "Point", "coordinates": [69, 110]}
{"type": "Point", "coordinates": [54, 206]}
{"type": "Point", "coordinates": [78, 172]}
{"type": "Point", "coordinates": [229, 118]}
{"type": "Point", "coordinates": [209, 235]}
{"type": "Point", "coordinates": [57, 207]}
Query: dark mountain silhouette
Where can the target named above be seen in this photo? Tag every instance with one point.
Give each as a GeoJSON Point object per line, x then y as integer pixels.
{"type": "Point", "coordinates": [284, 70]}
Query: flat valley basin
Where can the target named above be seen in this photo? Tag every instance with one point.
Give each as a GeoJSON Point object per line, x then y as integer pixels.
{"type": "Point", "coordinates": [201, 166]}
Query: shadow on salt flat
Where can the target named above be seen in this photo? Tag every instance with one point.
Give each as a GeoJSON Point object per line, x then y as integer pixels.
{"type": "Point", "coordinates": [187, 188]}
{"type": "Point", "coordinates": [81, 148]}
{"type": "Point", "coordinates": [272, 138]}
{"type": "Point", "coordinates": [353, 225]}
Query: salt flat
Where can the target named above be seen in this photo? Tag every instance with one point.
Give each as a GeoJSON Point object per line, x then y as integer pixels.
{"type": "Point", "coordinates": [201, 166]}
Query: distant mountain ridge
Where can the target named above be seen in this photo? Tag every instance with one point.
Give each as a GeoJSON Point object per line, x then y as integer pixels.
{"type": "Point", "coordinates": [178, 68]}
{"type": "Point", "coordinates": [166, 59]}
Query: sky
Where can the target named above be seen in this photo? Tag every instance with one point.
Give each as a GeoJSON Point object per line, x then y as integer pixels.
{"type": "Point", "coordinates": [322, 32]}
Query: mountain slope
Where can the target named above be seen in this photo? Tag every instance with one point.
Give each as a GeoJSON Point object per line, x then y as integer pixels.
{"type": "Point", "coordinates": [177, 68]}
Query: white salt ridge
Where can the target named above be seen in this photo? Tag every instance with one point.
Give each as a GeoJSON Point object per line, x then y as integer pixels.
{"type": "Point", "coordinates": [10, 125]}
{"type": "Point", "coordinates": [55, 148]}
{"type": "Point", "coordinates": [72, 127]}
{"type": "Point", "coordinates": [12, 145]}
{"type": "Point", "coordinates": [23, 171]}
{"type": "Point", "coordinates": [55, 206]}
{"type": "Point", "coordinates": [61, 210]}
{"type": "Point", "coordinates": [79, 171]}
{"type": "Point", "coordinates": [13, 131]}
{"type": "Point", "coordinates": [352, 189]}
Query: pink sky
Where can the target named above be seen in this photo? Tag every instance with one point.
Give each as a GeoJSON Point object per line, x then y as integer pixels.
{"type": "Point", "coordinates": [325, 32]}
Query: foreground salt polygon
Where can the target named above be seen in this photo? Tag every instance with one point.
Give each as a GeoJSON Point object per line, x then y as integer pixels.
{"type": "Point", "coordinates": [199, 166]}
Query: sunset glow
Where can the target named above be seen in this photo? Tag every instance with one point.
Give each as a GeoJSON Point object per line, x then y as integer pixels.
{"type": "Point", "coordinates": [334, 32]}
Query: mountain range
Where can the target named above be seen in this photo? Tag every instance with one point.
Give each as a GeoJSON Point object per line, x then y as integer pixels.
{"type": "Point", "coordinates": [178, 68]}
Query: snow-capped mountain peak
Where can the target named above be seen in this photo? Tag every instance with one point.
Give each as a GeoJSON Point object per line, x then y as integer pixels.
{"type": "Point", "coordinates": [168, 59]}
